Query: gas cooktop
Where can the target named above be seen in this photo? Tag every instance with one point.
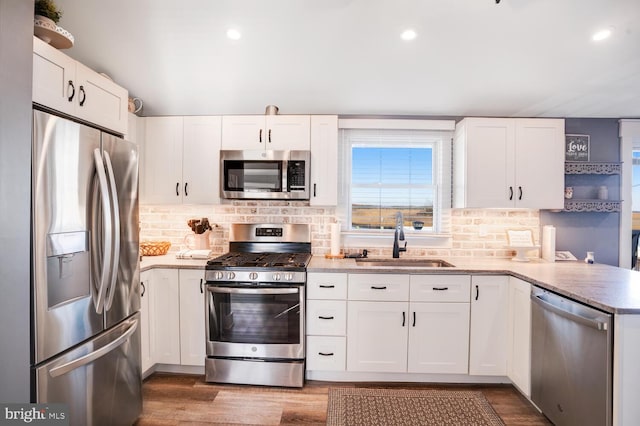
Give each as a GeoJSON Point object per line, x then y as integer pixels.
{"type": "Point", "coordinates": [286, 261]}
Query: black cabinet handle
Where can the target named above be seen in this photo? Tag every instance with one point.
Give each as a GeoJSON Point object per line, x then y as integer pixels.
{"type": "Point", "coordinates": [327, 286]}
{"type": "Point", "coordinates": [441, 288]}
{"type": "Point", "coordinates": [84, 96]}
{"type": "Point", "coordinates": [510, 193]}
{"type": "Point", "coordinates": [373, 287]}
{"type": "Point", "coordinates": [314, 189]}
{"type": "Point", "coordinates": [73, 91]}
{"type": "Point", "coordinates": [414, 318]}
{"type": "Point", "coordinates": [327, 318]}
{"type": "Point", "coordinates": [144, 289]}
{"type": "Point", "coordinates": [520, 190]}
{"type": "Point", "coordinates": [186, 193]}
{"type": "Point", "coordinates": [269, 135]}
{"type": "Point", "coordinates": [477, 292]}
{"type": "Point", "coordinates": [404, 317]}
{"type": "Point", "coordinates": [325, 353]}
{"type": "Point", "coordinates": [201, 290]}
{"type": "Point", "coordinates": [177, 189]}
{"type": "Point", "coordinates": [260, 136]}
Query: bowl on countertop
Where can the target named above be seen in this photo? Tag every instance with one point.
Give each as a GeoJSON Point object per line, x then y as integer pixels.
{"type": "Point", "coordinates": [418, 224]}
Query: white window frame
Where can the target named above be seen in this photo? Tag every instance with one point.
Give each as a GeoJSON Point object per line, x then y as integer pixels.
{"type": "Point", "coordinates": [441, 235]}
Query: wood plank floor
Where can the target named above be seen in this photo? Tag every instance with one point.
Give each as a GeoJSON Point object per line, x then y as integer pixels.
{"type": "Point", "coordinates": [176, 399]}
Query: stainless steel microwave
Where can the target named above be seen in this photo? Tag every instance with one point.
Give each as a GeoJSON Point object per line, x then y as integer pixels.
{"type": "Point", "coordinates": [271, 175]}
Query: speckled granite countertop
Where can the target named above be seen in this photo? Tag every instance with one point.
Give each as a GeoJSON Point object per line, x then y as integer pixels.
{"type": "Point", "coordinates": [605, 287]}
{"type": "Point", "coordinates": [169, 261]}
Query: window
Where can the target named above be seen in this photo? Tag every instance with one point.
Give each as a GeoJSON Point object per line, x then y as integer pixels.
{"type": "Point", "coordinates": [385, 171]}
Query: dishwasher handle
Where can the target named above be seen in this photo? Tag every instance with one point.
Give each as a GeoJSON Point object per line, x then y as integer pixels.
{"type": "Point", "coordinates": [589, 322]}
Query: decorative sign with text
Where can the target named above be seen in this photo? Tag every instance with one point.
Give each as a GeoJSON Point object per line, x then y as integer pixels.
{"type": "Point", "coordinates": [576, 148]}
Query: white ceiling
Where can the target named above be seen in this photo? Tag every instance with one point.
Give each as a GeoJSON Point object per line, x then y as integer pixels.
{"type": "Point", "coordinates": [471, 57]}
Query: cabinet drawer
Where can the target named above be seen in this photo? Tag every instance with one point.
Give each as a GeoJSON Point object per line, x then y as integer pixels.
{"type": "Point", "coordinates": [327, 317]}
{"type": "Point", "coordinates": [326, 353]}
{"type": "Point", "coordinates": [440, 288]}
{"type": "Point", "coordinates": [384, 287]}
{"type": "Point", "coordinates": [328, 286]}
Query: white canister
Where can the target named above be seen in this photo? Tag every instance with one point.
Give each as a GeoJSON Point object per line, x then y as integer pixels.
{"type": "Point", "coordinates": [603, 193]}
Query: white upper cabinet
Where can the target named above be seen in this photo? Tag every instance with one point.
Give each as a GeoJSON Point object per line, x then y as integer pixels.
{"type": "Point", "coordinates": [324, 160]}
{"type": "Point", "coordinates": [509, 163]}
{"type": "Point", "coordinates": [181, 160]}
{"type": "Point", "coordinates": [66, 85]}
{"type": "Point", "coordinates": [266, 132]}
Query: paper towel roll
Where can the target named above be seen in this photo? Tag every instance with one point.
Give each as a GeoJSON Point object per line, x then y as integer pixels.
{"type": "Point", "coordinates": [335, 239]}
{"type": "Point", "coordinates": [549, 243]}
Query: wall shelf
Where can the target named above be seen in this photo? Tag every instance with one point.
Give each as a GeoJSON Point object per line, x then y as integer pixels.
{"type": "Point", "coordinates": [603, 206]}
{"type": "Point", "coordinates": [592, 168]}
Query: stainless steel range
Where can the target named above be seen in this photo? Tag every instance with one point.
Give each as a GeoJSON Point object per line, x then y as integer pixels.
{"type": "Point", "coordinates": [255, 306]}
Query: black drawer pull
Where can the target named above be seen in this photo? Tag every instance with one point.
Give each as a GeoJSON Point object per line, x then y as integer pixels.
{"type": "Point", "coordinates": [327, 318]}
{"type": "Point", "coordinates": [325, 353]}
{"type": "Point", "coordinates": [327, 286]}
{"type": "Point", "coordinates": [440, 288]}
{"type": "Point", "coordinates": [373, 287]}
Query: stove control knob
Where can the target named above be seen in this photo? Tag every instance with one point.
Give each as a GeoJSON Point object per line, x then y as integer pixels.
{"type": "Point", "coordinates": [288, 276]}
{"type": "Point", "coordinates": [219, 275]}
{"type": "Point", "coordinates": [231, 275]}
{"type": "Point", "coordinates": [276, 276]}
{"type": "Point", "coordinates": [253, 276]}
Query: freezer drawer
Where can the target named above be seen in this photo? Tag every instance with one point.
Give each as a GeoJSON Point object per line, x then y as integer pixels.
{"type": "Point", "coordinates": [99, 380]}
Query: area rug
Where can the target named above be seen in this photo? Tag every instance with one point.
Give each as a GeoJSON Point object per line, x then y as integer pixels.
{"type": "Point", "coordinates": [356, 406]}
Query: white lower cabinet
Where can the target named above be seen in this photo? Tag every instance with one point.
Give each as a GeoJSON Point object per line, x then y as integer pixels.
{"type": "Point", "coordinates": [192, 317]}
{"type": "Point", "coordinates": [377, 336]}
{"type": "Point", "coordinates": [164, 316]}
{"type": "Point", "coordinates": [145, 332]}
{"type": "Point", "coordinates": [326, 353]}
{"type": "Point", "coordinates": [172, 317]}
{"type": "Point", "coordinates": [488, 336]}
{"type": "Point", "coordinates": [326, 321]}
{"type": "Point", "coordinates": [439, 338]}
{"type": "Point", "coordinates": [519, 334]}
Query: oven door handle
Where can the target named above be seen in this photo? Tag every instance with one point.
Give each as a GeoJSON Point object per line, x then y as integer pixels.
{"type": "Point", "coordinates": [233, 290]}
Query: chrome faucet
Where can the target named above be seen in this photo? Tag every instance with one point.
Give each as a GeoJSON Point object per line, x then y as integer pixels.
{"type": "Point", "coordinates": [399, 236]}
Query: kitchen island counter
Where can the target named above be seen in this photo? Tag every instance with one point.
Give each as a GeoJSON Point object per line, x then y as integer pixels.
{"type": "Point", "coordinates": [611, 289]}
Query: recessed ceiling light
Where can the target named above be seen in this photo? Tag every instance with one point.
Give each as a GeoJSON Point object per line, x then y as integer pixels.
{"type": "Point", "coordinates": [233, 34]}
{"type": "Point", "coordinates": [601, 35]}
{"type": "Point", "coordinates": [408, 35]}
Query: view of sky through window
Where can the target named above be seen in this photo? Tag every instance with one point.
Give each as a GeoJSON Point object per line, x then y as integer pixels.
{"type": "Point", "coordinates": [385, 180]}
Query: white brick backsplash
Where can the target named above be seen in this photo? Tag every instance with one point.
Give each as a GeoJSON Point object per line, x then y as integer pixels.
{"type": "Point", "coordinates": [169, 223]}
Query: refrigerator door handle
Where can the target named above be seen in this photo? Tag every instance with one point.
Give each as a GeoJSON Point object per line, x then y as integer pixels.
{"type": "Point", "coordinates": [92, 356]}
{"type": "Point", "coordinates": [99, 299]}
{"type": "Point", "coordinates": [115, 231]}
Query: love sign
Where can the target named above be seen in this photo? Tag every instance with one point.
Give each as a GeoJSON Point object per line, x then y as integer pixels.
{"type": "Point", "coordinates": [576, 148]}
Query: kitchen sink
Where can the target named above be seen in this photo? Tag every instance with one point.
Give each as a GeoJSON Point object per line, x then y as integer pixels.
{"type": "Point", "coordinates": [415, 263]}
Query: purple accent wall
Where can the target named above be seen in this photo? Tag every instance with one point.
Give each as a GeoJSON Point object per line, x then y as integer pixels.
{"type": "Point", "coordinates": [597, 232]}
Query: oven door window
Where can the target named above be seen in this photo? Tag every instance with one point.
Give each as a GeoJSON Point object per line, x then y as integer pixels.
{"type": "Point", "coordinates": [263, 176]}
{"type": "Point", "coordinates": [251, 317]}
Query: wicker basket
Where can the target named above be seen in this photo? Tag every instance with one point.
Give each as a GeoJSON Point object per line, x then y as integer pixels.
{"type": "Point", "coordinates": [154, 248]}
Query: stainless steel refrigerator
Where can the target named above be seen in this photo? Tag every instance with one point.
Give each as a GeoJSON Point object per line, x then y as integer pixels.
{"type": "Point", "coordinates": [85, 272]}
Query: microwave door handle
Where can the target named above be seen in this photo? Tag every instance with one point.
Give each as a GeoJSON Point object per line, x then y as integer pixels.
{"type": "Point", "coordinates": [115, 231]}
{"type": "Point", "coordinates": [107, 233]}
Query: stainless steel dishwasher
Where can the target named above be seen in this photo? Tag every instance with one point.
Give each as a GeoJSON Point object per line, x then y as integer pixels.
{"type": "Point", "coordinates": [571, 368]}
